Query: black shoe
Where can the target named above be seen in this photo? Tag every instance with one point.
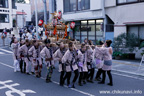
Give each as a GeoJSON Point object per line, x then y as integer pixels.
{"type": "Point", "coordinates": [91, 81]}
{"type": "Point", "coordinates": [110, 84]}
{"type": "Point", "coordinates": [88, 80]}
{"type": "Point", "coordinates": [61, 85]}
{"type": "Point", "coordinates": [101, 82]}
{"type": "Point", "coordinates": [73, 86]}
{"type": "Point", "coordinates": [22, 72]}
{"type": "Point", "coordinates": [50, 80]}
{"type": "Point", "coordinates": [47, 81]}
{"type": "Point", "coordinates": [84, 82]}
{"type": "Point", "coordinates": [32, 73]}
{"type": "Point", "coordinates": [39, 74]}
{"type": "Point", "coordinates": [97, 79]}
{"type": "Point", "coordinates": [80, 84]}
{"type": "Point", "coordinates": [28, 73]}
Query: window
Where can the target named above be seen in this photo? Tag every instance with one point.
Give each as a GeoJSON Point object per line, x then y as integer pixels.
{"type": "Point", "coordinates": [91, 29]}
{"type": "Point", "coordinates": [66, 5]}
{"type": "Point", "coordinates": [72, 5]}
{"type": "Point", "coordinates": [13, 4]}
{"type": "Point", "coordinates": [99, 31]}
{"type": "Point", "coordinates": [128, 1]}
{"type": "Point", "coordinates": [3, 3]}
{"type": "Point", "coordinates": [4, 18]}
{"type": "Point", "coordinates": [69, 5]}
{"type": "Point", "coordinates": [110, 28]}
{"type": "Point", "coordinates": [137, 30]}
{"type": "Point", "coordinates": [83, 4]}
{"type": "Point", "coordinates": [76, 5]}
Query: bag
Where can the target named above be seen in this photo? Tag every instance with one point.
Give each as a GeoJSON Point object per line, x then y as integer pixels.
{"type": "Point", "coordinates": [80, 64]}
{"type": "Point", "coordinates": [98, 61]}
{"type": "Point", "coordinates": [3, 36]}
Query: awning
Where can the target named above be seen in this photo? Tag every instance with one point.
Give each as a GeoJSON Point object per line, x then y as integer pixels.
{"type": "Point", "coordinates": [20, 13]}
{"type": "Point", "coordinates": [134, 23]}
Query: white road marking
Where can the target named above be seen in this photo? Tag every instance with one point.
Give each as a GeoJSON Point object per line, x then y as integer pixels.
{"type": "Point", "coordinates": [126, 76]}
{"type": "Point", "coordinates": [1, 53]}
{"type": "Point", "coordinates": [13, 90]}
{"type": "Point", "coordinates": [5, 54]}
{"type": "Point", "coordinates": [82, 92]}
{"type": "Point", "coordinates": [6, 50]}
{"type": "Point", "coordinates": [6, 65]}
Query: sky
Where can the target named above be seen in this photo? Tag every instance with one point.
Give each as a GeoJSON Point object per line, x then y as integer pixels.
{"type": "Point", "coordinates": [27, 1]}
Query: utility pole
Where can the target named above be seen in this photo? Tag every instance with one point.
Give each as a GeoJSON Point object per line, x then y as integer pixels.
{"type": "Point", "coordinates": [45, 11]}
{"type": "Point", "coordinates": [23, 17]}
{"type": "Point", "coordinates": [104, 17]}
{"type": "Point", "coordinates": [36, 18]}
{"type": "Point", "coordinates": [51, 8]}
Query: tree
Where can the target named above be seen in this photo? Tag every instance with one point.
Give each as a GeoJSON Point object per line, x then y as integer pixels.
{"type": "Point", "coordinates": [20, 1]}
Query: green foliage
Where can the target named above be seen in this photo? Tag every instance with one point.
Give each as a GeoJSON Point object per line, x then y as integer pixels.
{"type": "Point", "coordinates": [129, 41]}
{"type": "Point", "coordinates": [20, 1]}
{"type": "Point", "coordinates": [141, 45]}
{"type": "Point", "coordinates": [117, 53]}
{"type": "Point", "coordinates": [142, 52]}
{"type": "Point", "coordinates": [125, 56]}
{"type": "Point", "coordinates": [119, 42]}
{"type": "Point", "coordinates": [132, 41]}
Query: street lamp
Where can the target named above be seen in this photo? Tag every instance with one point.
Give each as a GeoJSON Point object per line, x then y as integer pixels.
{"type": "Point", "coordinates": [36, 18]}
{"type": "Point", "coordinates": [23, 17]}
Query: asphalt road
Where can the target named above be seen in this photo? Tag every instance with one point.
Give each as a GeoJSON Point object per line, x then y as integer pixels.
{"type": "Point", "coordinates": [17, 84]}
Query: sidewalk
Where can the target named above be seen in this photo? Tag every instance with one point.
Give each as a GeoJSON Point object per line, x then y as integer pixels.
{"type": "Point", "coordinates": [128, 67]}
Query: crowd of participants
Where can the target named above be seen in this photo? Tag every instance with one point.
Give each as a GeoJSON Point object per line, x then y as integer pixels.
{"type": "Point", "coordinates": [30, 55]}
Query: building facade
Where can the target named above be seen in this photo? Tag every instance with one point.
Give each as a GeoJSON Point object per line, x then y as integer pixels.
{"type": "Point", "coordinates": [40, 6]}
{"type": "Point", "coordinates": [127, 15]}
{"type": "Point", "coordinates": [88, 17]}
{"type": "Point", "coordinates": [23, 14]}
{"type": "Point", "coordinates": [103, 19]}
{"type": "Point", "coordinates": [7, 10]}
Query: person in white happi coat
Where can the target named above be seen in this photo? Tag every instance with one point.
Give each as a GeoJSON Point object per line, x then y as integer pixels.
{"type": "Point", "coordinates": [82, 64]}
{"type": "Point", "coordinates": [15, 55]}
{"type": "Point", "coordinates": [36, 59]}
{"type": "Point", "coordinates": [22, 63]}
{"type": "Point", "coordinates": [107, 66]}
{"type": "Point", "coordinates": [89, 64]}
{"type": "Point", "coordinates": [24, 50]}
{"type": "Point", "coordinates": [48, 55]}
{"type": "Point", "coordinates": [58, 57]}
{"type": "Point", "coordinates": [70, 59]}
{"type": "Point", "coordinates": [99, 60]}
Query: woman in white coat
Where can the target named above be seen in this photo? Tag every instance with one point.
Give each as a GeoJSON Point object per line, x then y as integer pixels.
{"type": "Point", "coordinates": [82, 64]}
{"type": "Point", "coordinates": [34, 51]}
{"type": "Point", "coordinates": [107, 56]}
{"type": "Point", "coordinates": [15, 55]}
{"type": "Point", "coordinates": [70, 59]}
{"type": "Point", "coordinates": [58, 57]}
{"type": "Point", "coordinates": [23, 50]}
{"type": "Point", "coordinates": [99, 61]}
{"type": "Point", "coordinates": [48, 55]}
